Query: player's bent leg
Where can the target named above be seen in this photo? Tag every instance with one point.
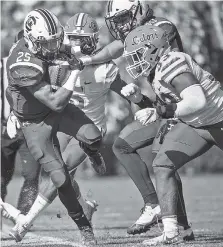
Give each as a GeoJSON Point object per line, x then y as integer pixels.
{"type": "Point", "coordinates": [30, 172]}
{"type": "Point", "coordinates": [45, 151]}
{"type": "Point", "coordinates": [90, 141]}
{"type": "Point", "coordinates": [133, 137]}
{"type": "Point", "coordinates": [181, 144]}
{"type": "Point", "coordinates": [9, 148]}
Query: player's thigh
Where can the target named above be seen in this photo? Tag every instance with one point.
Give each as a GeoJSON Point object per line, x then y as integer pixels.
{"type": "Point", "coordinates": [138, 135]}
{"type": "Point", "coordinates": [73, 119]}
{"type": "Point", "coordinates": [40, 141]}
{"type": "Point", "coordinates": [30, 167]}
{"type": "Point", "coordinates": [213, 134]}
{"type": "Point", "coordinates": [73, 155]}
{"type": "Point", "coordinates": [181, 145]}
{"type": "Point", "coordinates": [76, 124]}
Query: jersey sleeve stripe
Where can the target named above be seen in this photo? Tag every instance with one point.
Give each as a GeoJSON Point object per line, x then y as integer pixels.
{"type": "Point", "coordinates": [180, 68]}
{"type": "Point", "coordinates": [27, 64]}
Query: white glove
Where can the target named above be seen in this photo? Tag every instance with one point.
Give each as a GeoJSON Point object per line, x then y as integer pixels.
{"type": "Point", "coordinates": [146, 116]}
{"type": "Point", "coordinates": [12, 125]}
{"type": "Point", "coordinates": [132, 92]}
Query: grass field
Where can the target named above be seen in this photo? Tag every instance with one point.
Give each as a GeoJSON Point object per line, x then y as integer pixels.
{"type": "Point", "coordinates": [119, 205]}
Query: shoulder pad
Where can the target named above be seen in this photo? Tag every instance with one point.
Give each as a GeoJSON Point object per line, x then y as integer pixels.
{"type": "Point", "coordinates": [25, 75]}
{"type": "Point", "coordinates": [171, 65]}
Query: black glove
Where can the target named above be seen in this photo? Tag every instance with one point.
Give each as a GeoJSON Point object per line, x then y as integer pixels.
{"type": "Point", "coordinates": [75, 63]}
{"type": "Point", "coordinates": [166, 111]}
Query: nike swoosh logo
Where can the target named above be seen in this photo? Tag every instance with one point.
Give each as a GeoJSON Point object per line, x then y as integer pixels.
{"type": "Point", "coordinates": [86, 83]}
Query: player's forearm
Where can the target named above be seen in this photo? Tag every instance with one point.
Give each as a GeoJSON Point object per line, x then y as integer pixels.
{"type": "Point", "coordinates": [61, 97]}
{"type": "Point", "coordinates": [108, 53]}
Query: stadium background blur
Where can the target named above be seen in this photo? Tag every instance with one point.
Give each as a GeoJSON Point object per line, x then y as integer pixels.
{"type": "Point", "coordinates": [200, 25]}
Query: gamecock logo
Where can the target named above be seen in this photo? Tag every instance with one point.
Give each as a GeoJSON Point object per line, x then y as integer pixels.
{"type": "Point", "coordinates": [30, 22]}
{"type": "Point", "coordinates": [93, 26]}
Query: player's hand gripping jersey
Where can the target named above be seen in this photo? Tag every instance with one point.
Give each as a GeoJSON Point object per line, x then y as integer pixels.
{"type": "Point", "coordinates": [24, 70]}
{"type": "Point", "coordinates": [176, 63]}
{"type": "Point", "coordinates": [91, 90]}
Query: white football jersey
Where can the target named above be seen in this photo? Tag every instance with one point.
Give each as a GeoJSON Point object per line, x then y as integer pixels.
{"type": "Point", "coordinates": [175, 63]}
{"type": "Point", "coordinates": [91, 91]}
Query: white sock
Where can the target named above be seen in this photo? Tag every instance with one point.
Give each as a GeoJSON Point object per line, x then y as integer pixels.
{"type": "Point", "coordinates": [38, 206]}
{"type": "Point", "coordinates": [170, 226]}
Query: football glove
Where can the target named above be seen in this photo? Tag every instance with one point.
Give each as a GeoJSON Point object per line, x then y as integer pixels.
{"type": "Point", "coordinates": [12, 125]}
{"type": "Point", "coordinates": [146, 116]}
{"type": "Point", "coordinates": [132, 92]}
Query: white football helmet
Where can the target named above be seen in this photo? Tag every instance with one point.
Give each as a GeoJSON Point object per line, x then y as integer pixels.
{"type": "Point", "coordinates": [82, 31]}
{"type": "Point", "coordinates": [43, 33]}
{"type": "Point", "coordinates": [123, 16]}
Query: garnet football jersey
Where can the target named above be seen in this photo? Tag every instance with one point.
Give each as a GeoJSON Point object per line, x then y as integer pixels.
{"type": "Point", "coordinates": [24, 69]}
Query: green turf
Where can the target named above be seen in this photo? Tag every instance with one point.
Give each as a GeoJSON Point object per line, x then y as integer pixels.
{"type": "Point", "coordinates": [119, 206]}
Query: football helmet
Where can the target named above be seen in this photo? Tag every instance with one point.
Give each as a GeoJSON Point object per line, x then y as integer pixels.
{"type": "Point", "coordinates": [123, 16]}
{"type": "Point", "coordinates": [43, 33]}
{"type": "Point", "coordinates": [143, 48]}
{"type": "Point", "coordinates": [82, 31]}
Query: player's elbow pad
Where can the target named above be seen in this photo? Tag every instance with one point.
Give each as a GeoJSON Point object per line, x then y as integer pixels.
{"type": "Point", "coordinates": [193, 100]}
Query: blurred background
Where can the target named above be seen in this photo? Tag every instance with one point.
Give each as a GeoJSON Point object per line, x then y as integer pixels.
{"type": "Point", "coordinates": [200, 24]}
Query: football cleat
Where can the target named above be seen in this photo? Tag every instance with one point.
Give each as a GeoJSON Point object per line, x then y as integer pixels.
{"type": "Point", "coordinates": [148, 218]}
{"type": "Point", "coordinates": [187, 234]}
{"type": "Point", "coordinates": [164, 240]}
{"type": "Point", "coordinates": [20, 229]}
{"type": "Point", "coordinates": [98, 163]}
{"type": "Point", "coordinates": [91, 208]}
{"type": "Point", "coordinates": [87, 236]}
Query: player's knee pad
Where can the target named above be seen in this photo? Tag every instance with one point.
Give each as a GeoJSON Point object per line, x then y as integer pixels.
{"type": "Point", "coordinates": [121, 146]}
{"type": "Point", "coordinates": [89, 134]}
{"type": "Point", "coordinates": [59, 178]}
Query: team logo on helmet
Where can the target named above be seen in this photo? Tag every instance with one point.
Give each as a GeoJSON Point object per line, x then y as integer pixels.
{"type": "Point", "coordinates": [93, 26]}
{"type": "Point", "coordinates": [149, 37]}
{"type": "Point", "coordinates": [29, 23]}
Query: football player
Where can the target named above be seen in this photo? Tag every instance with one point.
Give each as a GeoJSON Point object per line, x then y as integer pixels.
{"type": "Point", "coordinates": [9, 148]}
{"type": "Point", "coordinates": [192, 101]}
{"type": "Point", "coordinates": [42, 112]}
{"type": "Point", "coordinates": [121, 18]}
{"type": "Point", "coordinates": [89, 95]}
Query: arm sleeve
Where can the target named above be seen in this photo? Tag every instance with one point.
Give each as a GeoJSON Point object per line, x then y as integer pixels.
{"type": "Point", "coordinates": [25, 76]}
{"type": "Point", "coordinates": [172, 64]}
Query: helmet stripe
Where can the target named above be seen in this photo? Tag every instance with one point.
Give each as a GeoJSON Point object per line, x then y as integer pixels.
{"type": "Point", "coordinates": [55, 25]}
{"type": "Point", "coordinates": [51, 26]}
{"type": "Point", "coordinates": [80, 19]}
{"type": "Point", "coordinates": [110, 6]}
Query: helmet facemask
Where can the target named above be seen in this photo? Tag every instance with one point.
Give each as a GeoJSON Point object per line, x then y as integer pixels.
{"type": "Point", "coordinates": [87, 43]}
{"type": "Point", "coordinates": [49, 49]}
{"type": "Point", "coordinates": [123, 22]}
{"type": "Point", "coordinates": [139, 64]}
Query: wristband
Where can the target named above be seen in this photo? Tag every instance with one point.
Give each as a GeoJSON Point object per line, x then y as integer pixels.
{"type": "Point", "coordinates": [145, 102]}
{"type": "Point", "coordinates": [86, 60]}
{"type": "Point", "coordinates": [71, 81]}
{"type": "Point", "coordinates": [166, 111]}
